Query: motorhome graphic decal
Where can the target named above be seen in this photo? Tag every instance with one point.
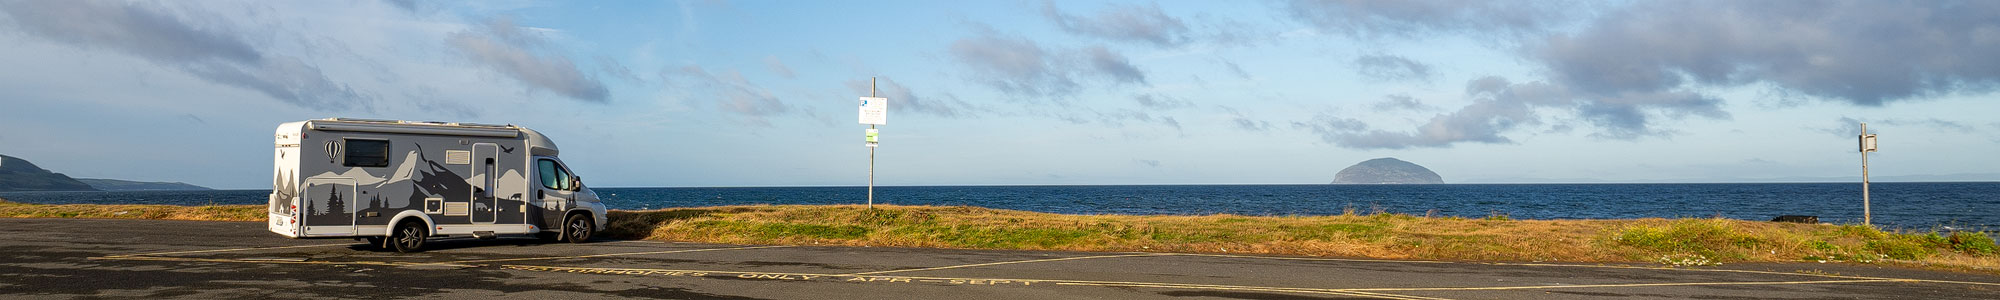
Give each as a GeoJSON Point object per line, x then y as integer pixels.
{"type": "Point", "coordinates": [375, 204]}
{"type": "Point", "coordinates": [283, 193]}
{"type": "Point", "coordinates": [328, 204]}
{"type": "Point", "coordinates": [462, 179]}
{"type": "Point", "coordinates": [436, 181]}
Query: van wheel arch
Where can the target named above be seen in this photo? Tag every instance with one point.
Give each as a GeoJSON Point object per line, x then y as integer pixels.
{"type": "Point", "coordinates": [411, 216]}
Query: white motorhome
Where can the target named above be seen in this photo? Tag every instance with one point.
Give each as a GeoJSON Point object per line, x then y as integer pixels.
{"type": "Point", "coordinates": [396, 183]}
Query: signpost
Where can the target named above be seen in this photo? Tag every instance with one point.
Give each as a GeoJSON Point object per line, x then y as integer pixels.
{"type": "Point", "coordinates": [874, 111]}
{"type": "Point", "coordinates": [1867, 145]}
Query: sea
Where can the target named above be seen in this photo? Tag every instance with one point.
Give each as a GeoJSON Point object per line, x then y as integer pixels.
{"type": "Point", "coordinates": [1901, 205]}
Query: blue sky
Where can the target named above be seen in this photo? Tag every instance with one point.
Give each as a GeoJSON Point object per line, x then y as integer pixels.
{"type": "Point", "coordinates": [703, 93]}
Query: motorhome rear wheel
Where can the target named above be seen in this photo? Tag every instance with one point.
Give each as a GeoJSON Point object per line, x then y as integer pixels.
{"type": "Point", "coordinates": [409, 237]}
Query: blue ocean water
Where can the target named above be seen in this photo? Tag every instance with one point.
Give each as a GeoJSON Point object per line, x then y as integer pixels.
{"type": "Point", "coordinates": [1964, 205]}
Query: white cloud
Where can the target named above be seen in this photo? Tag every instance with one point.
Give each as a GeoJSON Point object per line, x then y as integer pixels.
{"type": "Point", "coordinates": [1019, 66]}
{"type": "Point", "coordinates": [213, 52]}
{"type": "Point", "coordinates": [508, 49]}
{"type": "Point", "coordinates": [1130, 23]}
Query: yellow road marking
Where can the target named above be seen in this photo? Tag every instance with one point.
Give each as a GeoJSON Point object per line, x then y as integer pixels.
{"type": "Point", "coordinates": [1003, 263]}
{"type": "Point", "coordinates": [624, 271]}
{"type": "Point", "coordinates": [1396, 296]}
{"type": "Point", "coordinates": [227, 250]}
{"type": "Point", "coordinates": [1258, 289]}
{"type": "Point", "coordinates": [1627, 267]}
{"type": "Point", "coordinates": [1747, 272]}
{"type": "Point", "coordinates": [608, 254]}
{"type": "Point", "coordinates": [1313, 258]}
{"type": "Point", "coordinates": [1541, 287]}
{"type": "Point", "coordinates": [645, 241]}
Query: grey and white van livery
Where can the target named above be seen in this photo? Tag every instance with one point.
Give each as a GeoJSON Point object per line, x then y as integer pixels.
{"type": "Point", "coordinates": [395, 183]}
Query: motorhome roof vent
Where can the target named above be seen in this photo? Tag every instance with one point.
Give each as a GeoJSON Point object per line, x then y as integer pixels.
{"type": "Point", "coordinates": [362, 120]}
{"type": "Point", "coordinates": [480, 125]}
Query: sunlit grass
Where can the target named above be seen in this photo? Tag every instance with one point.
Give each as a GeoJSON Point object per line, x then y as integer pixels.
{"type": "Point", "coordinates": [1382, 235]}
{"type": "Point", "coordinates": [1379, 235]}
{"type": "Point", "coordinates": [159, 212]}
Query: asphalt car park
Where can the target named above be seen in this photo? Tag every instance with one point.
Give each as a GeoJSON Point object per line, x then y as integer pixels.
{"type": "Point", "coordinates": [143, 258]}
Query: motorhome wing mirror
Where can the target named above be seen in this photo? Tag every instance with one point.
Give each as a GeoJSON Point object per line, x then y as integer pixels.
{"type": "Point", "coordinates": [576, 183]}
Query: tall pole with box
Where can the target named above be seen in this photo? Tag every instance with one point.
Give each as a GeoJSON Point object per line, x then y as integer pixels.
{"type": "Point", "coordinates": [1867, 145]}
{"type": "Point", "coordinates": [874, 111]}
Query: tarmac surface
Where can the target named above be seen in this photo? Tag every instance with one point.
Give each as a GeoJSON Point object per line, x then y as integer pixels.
{"type": "Point", "coordinates": [94, 258]}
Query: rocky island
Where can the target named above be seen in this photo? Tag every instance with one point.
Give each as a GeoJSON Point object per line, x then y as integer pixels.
{"type": "Point", "coordinates": [1387, 170]}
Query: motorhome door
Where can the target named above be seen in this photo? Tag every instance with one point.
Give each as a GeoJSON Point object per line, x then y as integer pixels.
{"type": "Point", "coordinates": [553, 190]}
{"type": "Point", "coordinates": [485, 166]}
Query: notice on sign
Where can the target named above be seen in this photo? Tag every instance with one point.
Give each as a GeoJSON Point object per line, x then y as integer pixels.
{"type": "Point", "coordinates": [874, 111]}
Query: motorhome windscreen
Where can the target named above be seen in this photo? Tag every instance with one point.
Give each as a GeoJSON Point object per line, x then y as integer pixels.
{"type": "Point", "coordinates": [366, 153]}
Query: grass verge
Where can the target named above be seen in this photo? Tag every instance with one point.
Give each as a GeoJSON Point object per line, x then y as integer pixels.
{"type": "Point", "coordinates": [109, 211]}
{"type": "Point", "coordinates": [1387, 236]}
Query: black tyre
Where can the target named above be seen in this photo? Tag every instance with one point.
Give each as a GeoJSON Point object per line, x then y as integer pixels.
{"type": "Point", "coordinates": [579, 228]}
{"type": "Point", "coordinates": [408, 237]}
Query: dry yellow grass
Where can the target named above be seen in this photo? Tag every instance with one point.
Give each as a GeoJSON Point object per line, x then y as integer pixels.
{"type": "Point", "coordinates": [1387, 236]}
{"type": "Point", "coordinates": [161, 212]}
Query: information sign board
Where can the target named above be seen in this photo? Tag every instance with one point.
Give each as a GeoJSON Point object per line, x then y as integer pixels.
{"type": "Point", "coordinates": [874, 110]}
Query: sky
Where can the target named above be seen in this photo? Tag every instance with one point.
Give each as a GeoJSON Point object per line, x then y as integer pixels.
{"type": "Point", "coordinates": [717, 93]}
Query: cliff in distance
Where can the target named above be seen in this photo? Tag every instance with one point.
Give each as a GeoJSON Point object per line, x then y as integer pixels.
{"type": "Point", "coordinates": [1387, 170]}
{"type": "Point", "coordinates": [127, 185]}
{"type": "Point", "coordinates": [20, 175]}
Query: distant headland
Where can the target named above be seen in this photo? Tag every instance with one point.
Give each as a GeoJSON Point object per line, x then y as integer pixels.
{"type": "Point", "coordinates": [1386, 170]}
{"type": "Point", "coordinates": [18, 174]}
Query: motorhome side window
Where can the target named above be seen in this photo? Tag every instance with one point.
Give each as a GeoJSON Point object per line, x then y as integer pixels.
{"type": "Point", "coordinates": [553, 176]}
{"type": "Point", "coordinates": [366, 153]}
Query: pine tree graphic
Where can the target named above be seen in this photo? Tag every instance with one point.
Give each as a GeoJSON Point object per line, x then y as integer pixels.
{"type": "Point", "coordinates": [334, 205]}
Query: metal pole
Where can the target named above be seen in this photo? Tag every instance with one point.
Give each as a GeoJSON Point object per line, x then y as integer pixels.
{"type": "Point", "coordinates": [871, 157]}
{"type": "Point", "coordinates": [1867, 217]}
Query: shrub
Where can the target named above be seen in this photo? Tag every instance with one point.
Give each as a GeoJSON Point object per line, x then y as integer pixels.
{"type": "Point", "coordinates": [1975, 243]}
{"type": "Point", "coordinates": [1709, 238]}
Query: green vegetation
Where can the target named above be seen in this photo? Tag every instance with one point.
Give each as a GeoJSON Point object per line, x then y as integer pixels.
{"type": "Point", "coordinates": [1380, 235]}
